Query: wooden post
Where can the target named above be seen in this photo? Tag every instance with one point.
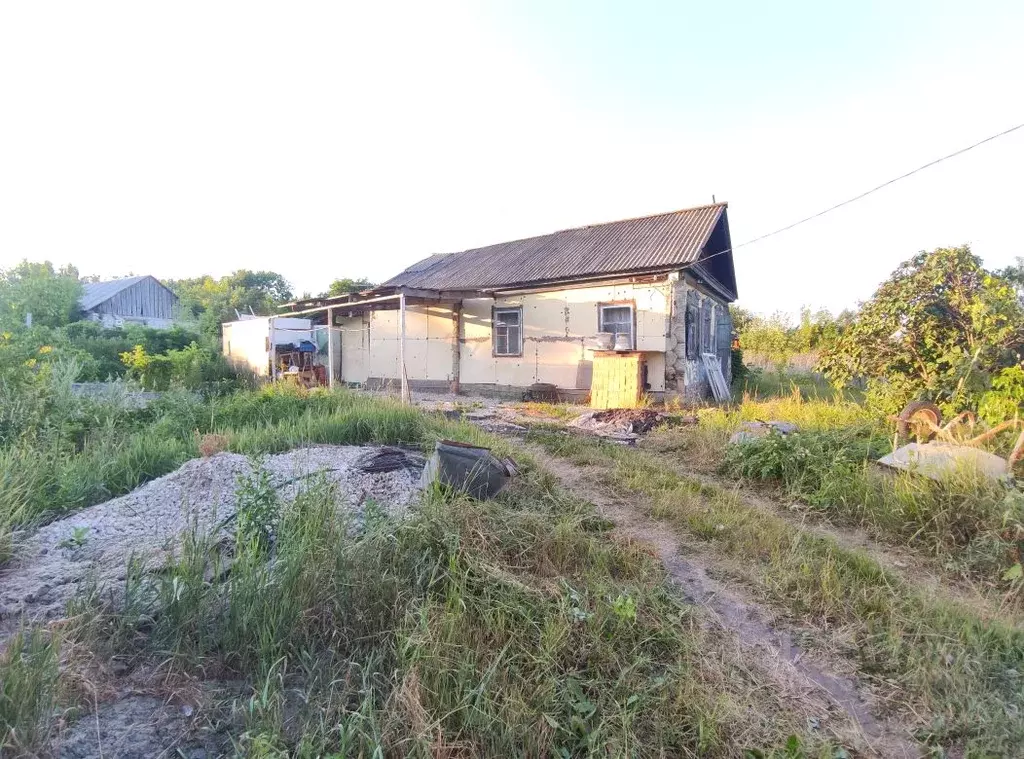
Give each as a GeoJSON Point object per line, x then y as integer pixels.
{"type": "Point", "coordinates": [273, 350]}
{"type": "Point", "coordinates": [330, 348]}
{"type": "Point", "coordinates": [456, 346]}
{"type": "Point", "coordinates": [406, 396]}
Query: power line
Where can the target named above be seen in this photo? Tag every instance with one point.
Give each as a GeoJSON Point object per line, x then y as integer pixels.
{"type": "Point", "coordinates": [869, 192]}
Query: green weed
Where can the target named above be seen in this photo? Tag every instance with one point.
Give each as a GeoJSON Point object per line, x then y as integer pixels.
{"type": "Point", "coordinates": [28, 685]}
{"type": "Point", "coordinates": [958, 669]}
{"type": "Point", "coordinates": [503, 628]}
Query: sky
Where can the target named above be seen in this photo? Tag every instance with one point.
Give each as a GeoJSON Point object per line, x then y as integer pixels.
{"type": "Point", "coordinates": [330, 139]}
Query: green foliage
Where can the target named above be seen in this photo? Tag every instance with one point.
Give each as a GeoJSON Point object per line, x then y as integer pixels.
{"type": "Point", "coordinates": [258, 507]}
{"type": "Point", "coordinates": [77, 539]}
{"type": "Point", "coordinates": [446, 628]}
{"type": "Point", "coordinates": [966, 517]}
{"type": "Point", "coordinates": [740, 372]}
{"type": "Point", "coordinates": [953, 666]}
{"type": "Point", "coordinates": [808, 463]}
{"type": "Point", "coordinates": [63, 451]}
{"type": "Point", "coordinates": [104, 346]}
{"type": "Point", "coordinates": [776, 341]}
{"type": "Point", "coordinates": [50, 295]}
{"type": "Point", "coordinates": [209, 302]}
{"type": "Point", "coordinates": [1014, 274]}
{"type": "Point", "coordinates": [348, 285]}
{"type": "Point", "coordinates": [1006, 398]}
{"type": "Point", "coordinates": [937, 329]}
{"type": "Point", "coordinates": [28, 681]}
{"type": "Point", "coordinates": [192, 368]}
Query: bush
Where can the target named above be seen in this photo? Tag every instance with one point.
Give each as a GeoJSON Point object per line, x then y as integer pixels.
{"type": "Point", "coordinates": [1006, 398]}
{"type": "Point", "coordinates": [969, 519]}
{"type": "Point", "coordinates": [192, 367]}
{"type": "Point", "coordinates": [739, 369]}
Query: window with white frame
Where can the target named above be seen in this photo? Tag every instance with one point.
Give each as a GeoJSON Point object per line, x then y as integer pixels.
{"type": "Point", "coordinates": [507, 337]}
{"type": "Point", "coordinates": [617, 319]}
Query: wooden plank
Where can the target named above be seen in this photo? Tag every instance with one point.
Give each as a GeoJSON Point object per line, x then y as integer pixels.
{"type": "Point", "coordinates": [719, 388]}
{"type": "Point", "coordinates": [616, 381]}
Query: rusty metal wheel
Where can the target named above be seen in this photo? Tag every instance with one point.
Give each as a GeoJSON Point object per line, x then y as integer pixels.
{"type": "Point", "coordinates": [918, 421]}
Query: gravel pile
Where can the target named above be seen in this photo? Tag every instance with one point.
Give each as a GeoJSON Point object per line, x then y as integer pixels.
{"type": "Point", "coordinates": [149, 521]}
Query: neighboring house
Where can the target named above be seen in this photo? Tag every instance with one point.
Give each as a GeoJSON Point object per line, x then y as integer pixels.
{"type": "Point", "coordinates": [132, 300]}
{"type": "Point", "coordinates": [496, 320]}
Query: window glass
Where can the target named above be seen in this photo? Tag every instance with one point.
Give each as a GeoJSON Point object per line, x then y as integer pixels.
{"type": "Point", "coordinates": [508, 331]}
{"type": "Point", "coordinates": [618, 320]}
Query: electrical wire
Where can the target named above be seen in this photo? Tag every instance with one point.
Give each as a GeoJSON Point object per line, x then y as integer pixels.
{"type": "Point", "coordinates": [867, 192]}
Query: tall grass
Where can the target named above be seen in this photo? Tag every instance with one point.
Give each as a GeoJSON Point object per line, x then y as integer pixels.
{"type": "Point", "coordinates": [514, 627]}
{"type": "Point", "coordinates": [958, 672]}
{"type": "Point", "coordinates": [28, 690]}
{"type": "Point", "coordinates": [45, 475]}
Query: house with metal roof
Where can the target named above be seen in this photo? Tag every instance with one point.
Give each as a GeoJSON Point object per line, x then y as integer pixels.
{"type": "Point", "coordinates": [130, 300]}
{"type": "Point", "coordinates": [505, 318]}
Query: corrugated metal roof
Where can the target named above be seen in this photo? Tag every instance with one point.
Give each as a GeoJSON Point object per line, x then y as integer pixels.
{"type": "Point", "coordinates": [618, 247]}
{"type": "Point", "coordinates": [94, 293]}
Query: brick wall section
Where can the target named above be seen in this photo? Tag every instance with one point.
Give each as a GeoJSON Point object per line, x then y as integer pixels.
{"type": "Point", "coordinates": [687, 378]}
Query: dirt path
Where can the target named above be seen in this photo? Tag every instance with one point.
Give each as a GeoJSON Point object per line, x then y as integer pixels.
{"type": "Point", "coordinates": [913, 569]}
{"type": "Point", "coordinates": [790, 668]}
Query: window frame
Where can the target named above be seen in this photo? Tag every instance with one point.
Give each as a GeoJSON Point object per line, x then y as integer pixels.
{"type": "Point", "coordinates": [631, 305]}
{"type": "Point", "coordinates": [495, 310]}
{"type": "Point", "coordinates": [713, 337]}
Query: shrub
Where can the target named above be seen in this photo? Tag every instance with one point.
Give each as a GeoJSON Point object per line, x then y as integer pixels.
{"type": "Point", "coordinates": [1006, 398]}
{"type": "Point", "coordinates": [28, 680]}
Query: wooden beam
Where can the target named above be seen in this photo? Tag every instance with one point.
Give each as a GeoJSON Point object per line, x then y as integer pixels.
{"type": "Point", "coordinates": [452, 295]}
{"type": "Point", "coordinates": [343, 306]}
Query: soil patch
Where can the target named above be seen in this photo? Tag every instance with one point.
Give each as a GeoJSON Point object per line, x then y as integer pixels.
{"type": "Point", "coordinates": [139, 727]}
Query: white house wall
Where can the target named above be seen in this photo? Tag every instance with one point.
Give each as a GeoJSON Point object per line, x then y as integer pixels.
{"type": "Point", "coordinates": [370, 347]}
{"type": "Point", "coordinates": [559, 331]}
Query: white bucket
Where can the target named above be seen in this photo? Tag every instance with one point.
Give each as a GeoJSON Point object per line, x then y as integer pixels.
{"type": "Point", "coordinates": [622, 342]}
{"type": "Point", "coordinates": [604, 341]}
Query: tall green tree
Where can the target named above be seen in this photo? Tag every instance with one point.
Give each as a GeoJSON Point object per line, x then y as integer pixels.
{"type": "Point", "coordinates": [51, 295]}
{"type": "Point", "coordinates": [348, 285]}
{"type": "Point", "coordinates": [938, 328]}
{"type": "Point", "coordinates": [209, 301]}
{"type": "Point", "coordinates": [1014, 274]}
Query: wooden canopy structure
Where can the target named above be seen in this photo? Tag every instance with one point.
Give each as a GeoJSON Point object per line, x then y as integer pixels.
{"type": "Point", "coordinates": [382, 298]}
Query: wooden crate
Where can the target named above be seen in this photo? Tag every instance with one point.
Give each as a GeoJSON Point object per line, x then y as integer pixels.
{"type": "Point", "coordinates": [617, 379]}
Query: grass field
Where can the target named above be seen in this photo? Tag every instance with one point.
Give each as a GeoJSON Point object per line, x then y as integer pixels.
{"type": "Point", "coordinates": [518, 626]}
{"type": "Point", "coordinates": [526, 625]}
{"type": "Point", "coordinates": [949, 667]}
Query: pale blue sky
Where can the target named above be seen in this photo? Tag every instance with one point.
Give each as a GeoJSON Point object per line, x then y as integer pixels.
{"type": "Point", "coordinates": [325, 140]}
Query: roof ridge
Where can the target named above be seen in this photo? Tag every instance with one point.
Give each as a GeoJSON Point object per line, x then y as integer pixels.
{"type": "Point", "coordinates": [720, 204]}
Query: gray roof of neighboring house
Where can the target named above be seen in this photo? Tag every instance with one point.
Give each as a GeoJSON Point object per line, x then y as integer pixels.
{"type": "Point", "coordinates": [94, 293]}
{"type": "Point", "coordinates": [648, 243]}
